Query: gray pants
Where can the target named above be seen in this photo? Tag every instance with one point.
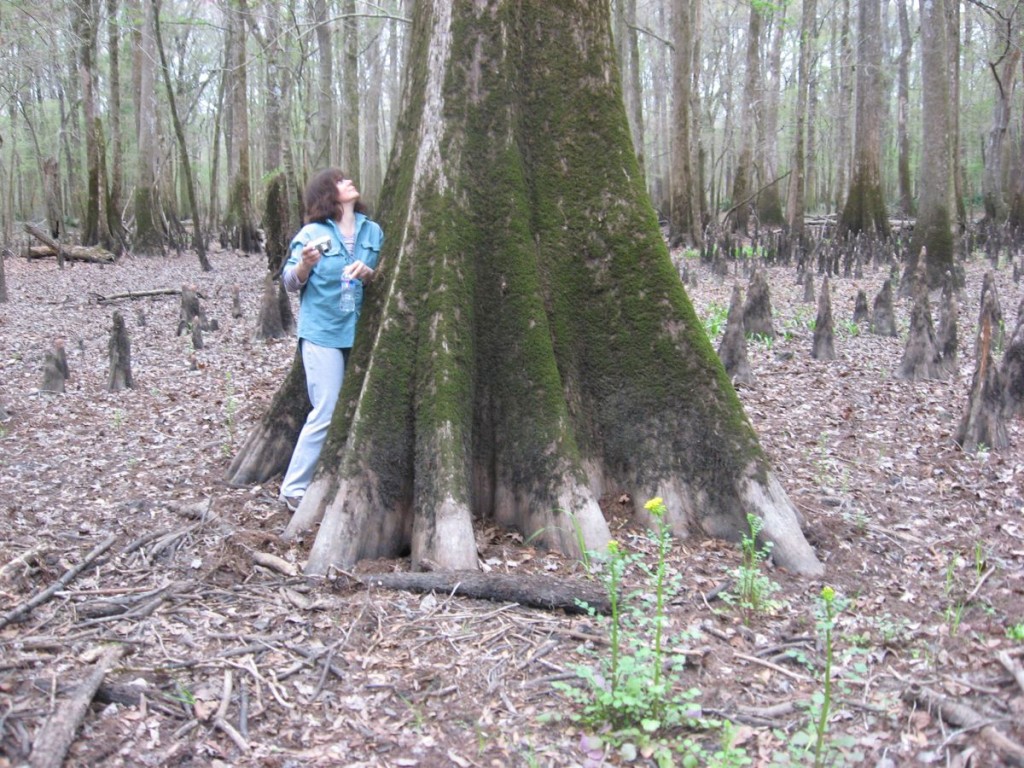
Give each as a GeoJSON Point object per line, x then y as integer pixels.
{"type": "Point", "coordinates": [325, 370]}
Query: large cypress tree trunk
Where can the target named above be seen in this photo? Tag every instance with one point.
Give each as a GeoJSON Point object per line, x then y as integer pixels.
{"type": "Point", "coordinates": [528, 346]}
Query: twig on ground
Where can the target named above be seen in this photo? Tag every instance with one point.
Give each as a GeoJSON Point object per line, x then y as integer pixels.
{"type": "Point", "coordinates": [1012, 667]}
{"type": "Point", "coordinates": [962, 716]}
{"type": "Point", "coordinates": [24, 609]}
{"type": "Point", "coordinates": [776, 667]}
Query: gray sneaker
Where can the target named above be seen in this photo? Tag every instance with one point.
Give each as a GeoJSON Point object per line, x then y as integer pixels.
{"type": "Point", "coordinates": [292, 502]}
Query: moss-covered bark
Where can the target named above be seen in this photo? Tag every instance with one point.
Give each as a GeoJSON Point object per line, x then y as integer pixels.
{"type": "Point", "coordinates": [865, 207]}
{"type": "Point", "coordinates": [528, 346]}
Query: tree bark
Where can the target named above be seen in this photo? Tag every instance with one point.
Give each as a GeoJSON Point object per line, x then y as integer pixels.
{"type": "Point", "coordinates": [528, 346]}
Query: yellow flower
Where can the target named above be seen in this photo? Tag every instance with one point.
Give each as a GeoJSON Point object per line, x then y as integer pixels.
{"type": "Point", "coordinates": [655, 505]}
{"type": "Point", "coordinates": [613, 547]}
{"type": "Point", "coordinates": [828, 594]}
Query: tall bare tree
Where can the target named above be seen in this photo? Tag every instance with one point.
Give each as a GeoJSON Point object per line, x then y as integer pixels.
{"type": "Point", "coordinates": [685, 221]}
{"type": "Point", "coordinates": [797, 186]}
{"type": "Point", "coordinates": [769, 202]}
{"type": "Point", "coordinates": [323, 107]}
{"type": "Point", "coordinates": [1004, 72]}
{"type": "Point", "coordinates": [350, 78]}
{"type": "Point", "coordinates": [198, 234]}
{"type": "Point", "coordinates": [865, 202]}
{"type": "Point", "coordinates": [933, 230]}
{"type": "Point", "coordinates": [751, 116]}
{"type": "Point", "coordinates": [903, 111]}
{"type": "Point", "coordinates": [240, 219]}
{"type": "Point", "coordinates": [150, 232]}
{"type": "Point", "coordinates": [629, 64]}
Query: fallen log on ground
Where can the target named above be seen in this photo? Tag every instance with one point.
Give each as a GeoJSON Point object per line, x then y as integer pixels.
{"type": "Point", "coordinates": [547, 592]}
{"type": "Point", "coordinates": [135, 295]}
{"type": "Point", "coordinates": [54, 739]}
{"type": "Point", "coordinates": [51, 248]}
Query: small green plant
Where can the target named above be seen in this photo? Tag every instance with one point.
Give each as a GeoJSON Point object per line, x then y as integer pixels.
{"type": "Point", "coordinates": [581, 543]}
{"type": "Point", "coordinates": [954, 615]}
{"type": "Point", "coordinates": [849, 328]}
{"type": "Point", "coordinates": [634, 692]}
{"type": "Point", "coordinates": [752, 593]}
{"type": "Point", "coordinates": [117, 419]}
{"type": "Point", "coordinates": [892, 630]}
{"type": "Point", "coordinates": [980, 559]}
{"type": "Point", "coordinates": [763, 338]}
{"type": "Point", "coordinates": [715, 319]}
{"type": "Point", "coordinates": [183, 694]}
{"type": "Point", "coordinates": [826, 624]}
{"type": "Point", "coordinates": [1016, 632]}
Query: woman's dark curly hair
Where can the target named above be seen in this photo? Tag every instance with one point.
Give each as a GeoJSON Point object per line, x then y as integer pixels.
{"type": "Point", "coordinates": [321, 198]}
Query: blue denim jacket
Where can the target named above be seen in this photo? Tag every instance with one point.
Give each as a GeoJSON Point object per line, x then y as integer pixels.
{"type": "Point", "coordinates": [321, 320]}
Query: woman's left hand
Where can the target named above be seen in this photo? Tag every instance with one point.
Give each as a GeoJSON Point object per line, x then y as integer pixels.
{"type": "Point", "coordinates": [360, 271]}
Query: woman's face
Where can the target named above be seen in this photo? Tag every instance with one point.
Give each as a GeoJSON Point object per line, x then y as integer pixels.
{"type": "Point", "coordinates": [347, 192]}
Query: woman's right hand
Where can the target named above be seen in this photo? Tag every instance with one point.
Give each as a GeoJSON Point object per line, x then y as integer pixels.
{"type": "Point", "coordinates": [310, 257]}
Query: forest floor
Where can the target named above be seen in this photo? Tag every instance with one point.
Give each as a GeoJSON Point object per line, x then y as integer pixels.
{"type": "Point", "coordinates": [228, 662]}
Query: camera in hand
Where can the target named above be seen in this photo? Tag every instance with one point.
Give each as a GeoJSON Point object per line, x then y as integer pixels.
{"type": "Point", "coordinates": [322, 244]}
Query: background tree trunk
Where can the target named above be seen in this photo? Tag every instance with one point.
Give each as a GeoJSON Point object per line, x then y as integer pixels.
{"type": "Point", "coordinates": [85, 25]}
{"type": "Point", "coordinates": [750, 119]}
{"type": "Point", "coordinates": [903, 112]}
{"type": "Point", "coordinates": [993, 197]}
{"type": "Point", "coordinates": [933, 229]}
{"type": "Point", "coordinates": [150, 233]}
{"type": "Point", "coordinates": [528, 347]}
{"type": "Point", "coordinates": [629, 64]}
{"type": "Point", "coordinates": [241, 219]}
{"type": "Point", "coordinates": [865, 204]}
{"type": "Point", "coordinates": [685, 218]}
{"type": "Point", "coordinates": [350, 80]}
{"type": "Point", "coordinates": [323, 107]}
{"type": "Point", "coordinates": [797, 188]}
{"type": "Point", "coordinates": [198, 234]}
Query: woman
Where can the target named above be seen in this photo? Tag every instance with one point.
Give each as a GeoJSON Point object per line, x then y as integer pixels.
{"type": "Point", "coordinates": [337, 248]}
